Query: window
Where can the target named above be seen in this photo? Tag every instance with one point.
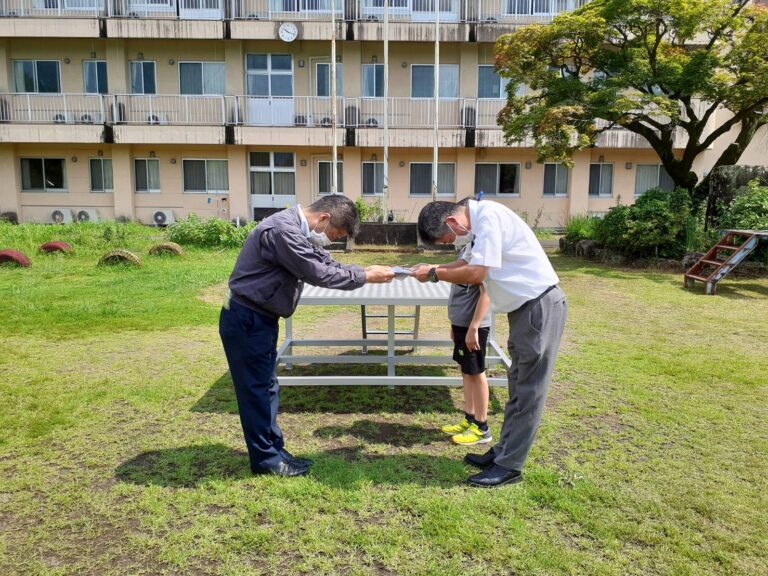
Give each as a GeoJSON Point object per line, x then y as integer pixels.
{"type": "Point", "coordinates": [423, 81]}
{"type": "Point", "coordinates": [196, 78]}
{"type": "Point", "coordinates": [43, 175]}
{"type": "Point", "coordinates": [324, 79]}
{"type": "Point", "coordinates": [490, 84]}
{"type": "Point", "coordinates": [147, 174]}
{"type": "Point", "coordinates": [421, 179]}
{"type": "Point", "coordinates": [95, 76]}
{"type": "Point", "coordinates": [373, 178]}
{"type": "Point", "coordinates": [37, 76]}
{"type": "Point", "coordinates": [143, 77]}
{"type": "Point", "coordinates": [555, 180]}
{"type": "Point", "coordinates": [269, 74]}
{"type": "Point", "coordinates": [497, 179]}
{"type": "Point", "coordinates": [209, 176]}
{"type": "Point", "coordinates": [601, 180]}
{"type": "Point", "coordinates": [325, 176]}
{"type": "Point", "coordinates": [101, 174]}
{"type": "Point", "coordinates": [652, 176]}
{"type": "Point", "coordinates": [373, 81]}
{"type": "Point", "coordinates": [273, 173]}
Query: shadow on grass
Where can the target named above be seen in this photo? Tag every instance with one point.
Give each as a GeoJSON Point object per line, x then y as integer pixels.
{"type": "Point", "coordinates": [191, 466]}
{"type": "Point", "coordinates": [402, 435]}
{"type": "Point", "coordinates": [737, 291]}
{"type": "Point", "coordinates": [184, 467]}
{"type": "Point", "coordinates": [337, 399]}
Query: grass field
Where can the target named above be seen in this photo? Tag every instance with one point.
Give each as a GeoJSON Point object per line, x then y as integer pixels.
{"type": "Point", "coordinates": [121, 451]}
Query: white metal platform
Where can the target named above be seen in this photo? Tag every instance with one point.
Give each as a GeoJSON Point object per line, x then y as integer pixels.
{"type": "Point", "coordinates": [407, 292]}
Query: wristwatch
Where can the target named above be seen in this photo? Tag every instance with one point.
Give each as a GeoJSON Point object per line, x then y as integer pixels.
{"type": "Point", "coordinates": [432, 275]}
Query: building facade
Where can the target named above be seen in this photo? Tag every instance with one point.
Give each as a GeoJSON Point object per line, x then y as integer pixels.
{"type": "Point", "coordinates": [151, 110]}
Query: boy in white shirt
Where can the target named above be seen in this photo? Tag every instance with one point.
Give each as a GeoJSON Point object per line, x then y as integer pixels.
{"type": "Point", "coordinates": [508, 260]}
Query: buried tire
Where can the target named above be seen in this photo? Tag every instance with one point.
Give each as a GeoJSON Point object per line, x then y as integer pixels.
{"type": "Point", "coordinates": [56, 246]}
{"type": "Point", "coordinates": [119, 257]}
{"type": "Point", "coordinates": [14, 258]}
{"type": "Point", "coordinates": [166, 248]}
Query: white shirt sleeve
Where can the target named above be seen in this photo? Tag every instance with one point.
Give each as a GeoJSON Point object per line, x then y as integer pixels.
{"type": "Point", "coordinates": [489, 239]}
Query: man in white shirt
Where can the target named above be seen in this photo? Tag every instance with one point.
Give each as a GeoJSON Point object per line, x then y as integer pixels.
{"type": "Point", "coordinates": [520, 281]}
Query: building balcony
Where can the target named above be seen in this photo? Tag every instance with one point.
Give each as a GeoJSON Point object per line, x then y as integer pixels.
{"type": "Point", "coordinates": [70, 118]}
{"type": "Point", "coordinates": [412, 11]}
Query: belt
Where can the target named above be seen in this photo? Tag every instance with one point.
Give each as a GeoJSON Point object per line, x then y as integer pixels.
{"type": "Point", "coordinates": [540, 296]}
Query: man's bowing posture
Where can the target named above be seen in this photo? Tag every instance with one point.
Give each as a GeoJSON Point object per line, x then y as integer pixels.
{"type": "Point", "coordinates": [279, 256]}
{"type": "Point", "coordinates": [520, 281]}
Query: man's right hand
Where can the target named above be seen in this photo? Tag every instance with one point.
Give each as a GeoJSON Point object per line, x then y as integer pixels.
{"type": "Point", "coordinates": [379, 274]}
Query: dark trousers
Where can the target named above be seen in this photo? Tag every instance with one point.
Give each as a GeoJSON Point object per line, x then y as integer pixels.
{"type": "Point", "coordinates": [535, 330]}
{"type": "Point", "coordinates": [250, 344]}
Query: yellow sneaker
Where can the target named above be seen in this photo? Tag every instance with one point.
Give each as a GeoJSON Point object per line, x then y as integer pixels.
{"type": "Point", "coordinates": [456, 428]}
{"type": "Point", "coordinates": [473, 435]}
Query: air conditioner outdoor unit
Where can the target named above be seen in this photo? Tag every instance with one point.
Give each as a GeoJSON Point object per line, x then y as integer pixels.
{"type": "Point", "coordinates": [61, 216]}
{"type": "Point", "coordinates": [87, 215]}
{"type": "Point", "coordinates": [59, 118]}
{"type": "Point", "coordinates": [163, 217]}
{"type": "Point", "coordinates": [372, 122]}
{"type": "Point", "coordinates": [90, 118]}
{"type": "Point", "coordinates": [157, 118]}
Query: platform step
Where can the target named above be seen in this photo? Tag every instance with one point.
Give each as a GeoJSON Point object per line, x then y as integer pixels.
{"type": "Point", "coordinates": [699, 278]}
{"type": "Point", "coordinates": [712, 262]}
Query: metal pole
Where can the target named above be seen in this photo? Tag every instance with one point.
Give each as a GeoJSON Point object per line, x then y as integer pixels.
{"type": "Point", "coordinates": [335, 153]}
{"type": "Point", "coordinates": [437, 99]}
{"type": "Point", "coordinates": [385, 199]}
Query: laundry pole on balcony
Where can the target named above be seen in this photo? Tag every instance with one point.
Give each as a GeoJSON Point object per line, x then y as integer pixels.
{"type": "Point", "coordinates": [335, 153]}
{"type": "Point", "coordinates": [437, 99]}
{"type": "Point", "coordinates": [385, 198]}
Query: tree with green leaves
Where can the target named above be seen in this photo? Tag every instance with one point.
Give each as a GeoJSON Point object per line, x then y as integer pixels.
{"type": "Point", "coordinates": [658, 68]}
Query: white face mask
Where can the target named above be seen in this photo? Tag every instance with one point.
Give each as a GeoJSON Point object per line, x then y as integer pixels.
{"type": "Point", "coordinates": [460, 241]}
{"type": "Point", "coordinates": [320, 239]}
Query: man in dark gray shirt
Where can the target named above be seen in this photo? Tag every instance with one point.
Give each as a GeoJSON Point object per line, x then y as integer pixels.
{"type": "Point", "coordinates": [279, 256]}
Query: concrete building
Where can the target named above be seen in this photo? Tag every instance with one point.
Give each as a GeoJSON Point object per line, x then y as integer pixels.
{"type": "Point", "coordinates": [130, 108]}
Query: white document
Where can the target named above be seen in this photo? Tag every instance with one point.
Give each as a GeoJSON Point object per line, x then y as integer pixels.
{"type": "Point", "coordinates": [401, 272]}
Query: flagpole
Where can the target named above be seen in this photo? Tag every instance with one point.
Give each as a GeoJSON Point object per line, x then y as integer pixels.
{"type": "Point", "coordinates": [335, 153]}
{"type": "Point", "coordinates": [385, 199]}
{"type": "Point", "coordinates": [437, 99]}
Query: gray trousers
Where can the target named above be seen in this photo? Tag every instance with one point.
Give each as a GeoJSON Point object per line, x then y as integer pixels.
{"type": "Point", "coordinates": [535, 330]}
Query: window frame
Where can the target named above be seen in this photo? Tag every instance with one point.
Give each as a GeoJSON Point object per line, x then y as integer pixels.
{"type": "Point", "coordinates": [375, 86]}
{"type": "Point", "coordinates": [104, 189]}
{"type": "Point", "coordinates": [205, 165]}
{"type": "Point", "coordinates": [498, 165]}
{"type": "Point", "coordinates": [35, 77]}
{"type": "Point", "coordinates": [544, 180]}
{"type": "Point", "coordinates": [44, 189]}
{"type": "Point", "coordinates": [432, 97]}
{"type": "Point", "coordinates": [429, 195]}
{"type": "Point", "coordinates": [154, 75]}
{"type": "Point", "coordinates": [203, 64]}
{"type": "Point", "coordinates": [96, 62]}
{"type": "Point", "coordinates": [659, 167]}
{"type": "Point", "coordinates": [148, 190]}
{"type": "Point", "coordinates": [339, 79]}
{"type": "Point", "coordinates": [272, 170]}
{"type": "Point", "coordinates": [269, 72]}
{"type": "Point", "coordinates": [613, 172]}
{"type": "Point", "coordinates": [338, 162]}
{"type": "Point", "coordinates": [362, 178]}
{"type": "Point", "coordinates": [503, 83]}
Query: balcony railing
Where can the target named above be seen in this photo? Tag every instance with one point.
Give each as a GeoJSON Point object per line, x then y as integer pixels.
{"type": "Point", "coordinates": [52, 8]}
{"type": "Point", "coordinates": [449, 11]}
{"type": "Point", "coordinates": [405, 112]}
{"type": "Point", "coordinates": [175, 110]}
{"type": "Point", "coordinates": [301, 111]}
{"type": "Point", "coordinates": [52, 108]}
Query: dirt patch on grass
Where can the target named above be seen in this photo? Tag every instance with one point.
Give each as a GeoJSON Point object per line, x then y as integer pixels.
{"type": "Point", "coordinates": [214, 295]}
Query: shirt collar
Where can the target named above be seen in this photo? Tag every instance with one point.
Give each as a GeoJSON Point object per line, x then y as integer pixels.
{"type": "Point", "coordinates": [303, 221]}
{"type": "Point", "coordinates": [473, 208]}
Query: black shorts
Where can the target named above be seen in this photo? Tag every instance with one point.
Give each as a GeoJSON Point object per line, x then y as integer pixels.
{"type": "Point", "coordinates": [471, 363]}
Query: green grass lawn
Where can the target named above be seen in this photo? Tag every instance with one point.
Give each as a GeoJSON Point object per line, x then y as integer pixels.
{"type": "Point", "coordinates": [121, 450]}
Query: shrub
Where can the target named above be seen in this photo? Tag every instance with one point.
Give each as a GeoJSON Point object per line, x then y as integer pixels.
{"type": "Point", "coordinates": [82, 236]}
{"type": "Point", "coordinates": [581, 227]}
{"type": "Point", "coordinates": [373, 212]}
{"type": "Point", "coordinates": [749, 209]}
{"type": "Point", "coordinates": [213, 232]}
{"type": "Point", "coordinates": [654, 226]}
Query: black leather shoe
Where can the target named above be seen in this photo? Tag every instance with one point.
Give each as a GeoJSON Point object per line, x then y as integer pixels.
{"type": "Point", "coordinates": [284, 468]}
{"type": "Point", "coordinates": [300, 461]}
{"type": "Point", "coordinates": [495, 476]}
{"type": "Point", "coordinates": [480, 460]}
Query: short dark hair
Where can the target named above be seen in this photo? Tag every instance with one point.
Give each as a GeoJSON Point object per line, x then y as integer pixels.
{"type": "Point", "coordinates": [342, 210]}
{"type": "Point", "coordinates": [432, 217]}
